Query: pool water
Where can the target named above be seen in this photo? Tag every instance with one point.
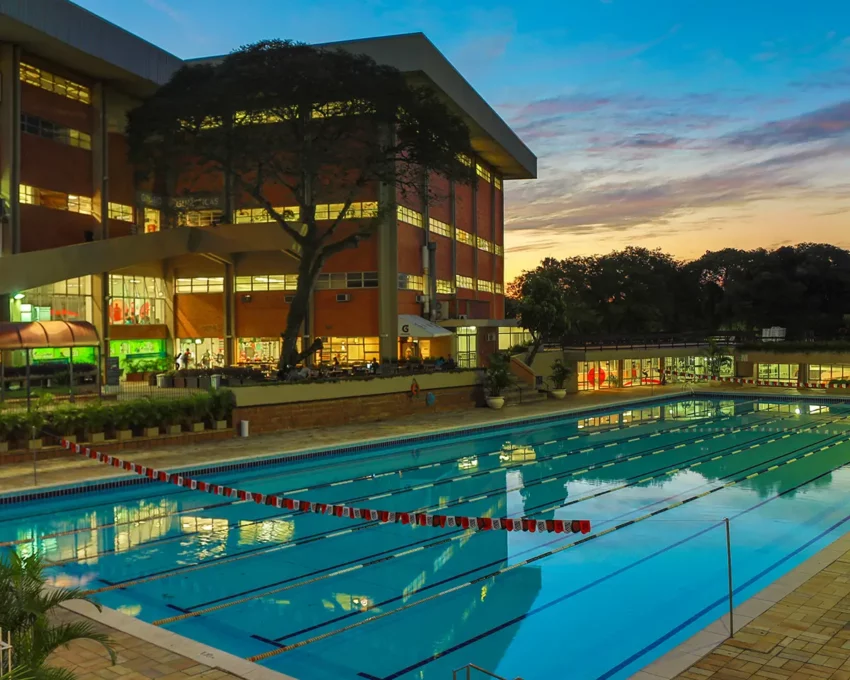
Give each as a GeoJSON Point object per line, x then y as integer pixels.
{"type": "Point", "coordinates": [321, 598]}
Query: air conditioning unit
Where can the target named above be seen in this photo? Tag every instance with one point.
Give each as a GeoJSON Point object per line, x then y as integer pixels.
{"type": "Point", "coordinates": [462, 316]}
{"type": "Point", "coordinates": [442, 310]}
{"type": "Point", "coordinates": [492, 337]}
{"type": "Point", "coordinates": [421, 298]}
{"type": "Point", "coordinates": [343, 297]}
{"type": "Point", "coordinates": [289, 299]}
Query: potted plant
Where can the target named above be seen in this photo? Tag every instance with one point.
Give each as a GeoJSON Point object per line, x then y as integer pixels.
{"type": "Point", "coordinates": [194, 412]}
{"type": "Point", "coordinates": [13, 428]}
{"type": "Point", "coordinates": [222, 403]}
{"type": "Point", "coordinates": [95, 419]}
{"type": "Point", "coordinates": [559, 376]}
{"type": "Point", "coordinates": [165, 379]}
{"type": "Point", "coordinates": [170, 415]}
{"type": "Point", "coordinates": [65, 423]}
{"type": "Point", "coordinates": [497, 378]}
{"type": "Point", "coordinates": [34, 424]}
{"type": "Point", "coordinates": [120, 420]}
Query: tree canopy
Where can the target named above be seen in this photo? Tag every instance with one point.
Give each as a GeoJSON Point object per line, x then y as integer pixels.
{"type": "Point", "coordinates": [286, 124]}
{"type": "Point", "coordinates": [804, 288]}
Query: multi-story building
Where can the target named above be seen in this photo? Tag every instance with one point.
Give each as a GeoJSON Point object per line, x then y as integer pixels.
{"type": "Point", "coordinates": [81, 240]}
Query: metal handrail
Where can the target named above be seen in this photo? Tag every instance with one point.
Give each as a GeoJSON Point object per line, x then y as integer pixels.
{"type": "Point", "coordinates": [469, 667]}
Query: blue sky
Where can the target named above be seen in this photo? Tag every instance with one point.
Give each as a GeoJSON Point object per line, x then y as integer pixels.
{"type": "Point", "coordinates": [677, 124]}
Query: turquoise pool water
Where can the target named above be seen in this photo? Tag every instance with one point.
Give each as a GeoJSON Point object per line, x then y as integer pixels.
{"type": "Point", "coordinates": [339, 599]}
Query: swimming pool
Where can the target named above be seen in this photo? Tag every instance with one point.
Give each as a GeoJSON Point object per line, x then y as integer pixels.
{"type": "Point", "coordinates": [325, 598]}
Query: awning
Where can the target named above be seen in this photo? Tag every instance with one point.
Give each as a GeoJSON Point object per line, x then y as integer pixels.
{"type": "Point", "coordinates": [417, 327]}
{"type": "Point", "coordinates": [39, 334]}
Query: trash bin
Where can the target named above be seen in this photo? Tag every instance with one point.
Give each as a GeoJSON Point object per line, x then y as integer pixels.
{"type": "Point", "coordinates": [215, 381]}
{"type": "Point", "coordinates": [162, 380]}
{"type": "Point", "coordinates": [243, 428]}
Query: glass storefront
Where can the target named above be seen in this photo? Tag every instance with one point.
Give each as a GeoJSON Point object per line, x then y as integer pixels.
{"type": "Point", "coordinates": [205, 352]}
{"type": "Point", "coordinates": [786, 374]}
{"type": "Point", "coordinates": [64, 300]}
{"type": "Point", "coordinates": [467, 346]}
{"type": "Point", "coordinates": [641, 372]}
{"type": "Point", "coordinates": [258, 350]}
{"type": "Point", "coordinates": [352, 350]}
{"type": "Point", "coordinates": [52, 355]}
{"type": "Point", "coordinates": [826, 372]}
{"type": "Point", "coordinates": [139, 356]}
{"type": "Point", "coordinates": [696, 365]}
{"type": "Point", "coordinates": [136, 299]}
{"type": "Point", "coordinates": [598, 375]}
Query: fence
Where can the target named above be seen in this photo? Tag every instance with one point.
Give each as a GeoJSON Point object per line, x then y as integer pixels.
{"type": "Point", "coordinates": [5, 653]}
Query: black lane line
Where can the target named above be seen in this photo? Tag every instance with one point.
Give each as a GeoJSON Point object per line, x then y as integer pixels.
{"type": "Point", "coordinates": [607, 577]}
{"type": "Point", "coordinates": [309, 539]}
{"type": "Point", "coordinates": [496, 562]}
{"type": "Point", "coordinates": [358, 527]}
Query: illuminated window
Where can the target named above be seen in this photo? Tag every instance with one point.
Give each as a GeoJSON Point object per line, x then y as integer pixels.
{"type": "Point", "coordinates": [483, 172]}
{"type": "Point", "coordinates": [136, 300]}
{"type": "Point", "coordinates": [79, 204]}
{"type": "Point", "coordinates": [411, 282]}
{"type": "Point", "coordinates": [349, 350]}
{"type": "Point", "coordinates": [464, 282]}
{"type": "Point", "coordinates": [466, 160]}
{"type": "Point", "coordinates": [499, 250]}
{"type": "Point", "coordinates": [257, 215]}
{"type": "Point", "coordinates": [330, 211]}
{"type": "Point", "coordinates": [56, 84]}
{"type": "Point", "coordinates": [445, 286]}
{"type": "Point", "coordinates": [498, 288]}
{"type": "Point", "coordinates": [485, 245]}
{"type": "Point", "coordinates": [486, 286]}
{"type": "Point", "coordinates": [440, 227]}
{"type": "Point", "coordinates": [152, 220]}
{"type": "Point", "coordinates": [26, 194]}
{"type": "Point", "coordinates": [497, 182]}
{"type": "Point", "coordinates": [464, 237]}
{"type": "Point", "coordinates": [409, 216]}
{"type": "Point", "coordinates": [34, 125]}
{"type": "Point", "coordinates": [200, 284]}
{"type": "Point", "coordinates": [267, 282]}
{"type": "Point", "coordinates": [345, 280]}
{"type": "Point", "coordinates": [119, 211]}
{"type": "Point", "coordinates": [199, 218]}
{"type": "Point", "coordinates": [67, 300]}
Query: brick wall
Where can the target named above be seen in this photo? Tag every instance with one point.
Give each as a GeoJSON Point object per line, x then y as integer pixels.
{"type": "Point", "coordinates": [370, 409]}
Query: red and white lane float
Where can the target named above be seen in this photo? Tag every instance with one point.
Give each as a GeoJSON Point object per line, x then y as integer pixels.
{"type": "Point", "coordinates": [557, 526]}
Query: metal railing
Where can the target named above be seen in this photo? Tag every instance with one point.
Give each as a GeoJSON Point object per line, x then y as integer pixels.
{"type": "Point", "coordinates": [651, 340]}
{"type": "Point", "coordinates": [467, 672]}
{"type": "Point", "coordinates": [5, 652]}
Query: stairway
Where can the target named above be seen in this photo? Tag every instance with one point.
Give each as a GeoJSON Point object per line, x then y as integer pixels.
{"type": "Point", "coordinates": [521, 394]}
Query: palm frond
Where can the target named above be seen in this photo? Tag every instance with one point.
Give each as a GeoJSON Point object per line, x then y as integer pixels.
{"type": "Point", "coordinates": [47, 639]}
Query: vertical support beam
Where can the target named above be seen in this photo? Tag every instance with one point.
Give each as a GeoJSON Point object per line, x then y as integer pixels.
{"type": "Point", "coordinates": [428, 275]}
{"type": "Point", "coordinates": [453, 222]}
{"type": "Point", "coordinates": [308, 329]}
{"type": "Point", "coordinates": [475, 272]}
{"type": "Point", "coordinates": [10, 154]}
{"type": "Point", "coordinates": [388, 275]}
{"type": "Point", "coordinates": [229, 314]}
{"type": "Point", "coordinates": [100, 212]}
{"type": "Point", "coordinates": [498, 306]}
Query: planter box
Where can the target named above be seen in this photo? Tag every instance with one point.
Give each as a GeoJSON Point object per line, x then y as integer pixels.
{"type": "Point", "coordinates": [163, 380]}
{"type": "Point", "coordinates": [34, 444]}
{"type": "Point", "coordinates": [198, 427]}
{"type": "Point", "coordinates": [179, 382]}
{"type": "Point", "coordinates": [123, 435]}
{"type": "Point", "coordinates": [192, 382]}
{"type": "Point", "coordinates": [97, 437]}
{"type": "Point", "coordinates": [4, 447]}
{"type": "Point", "coordinates": [136, 377]}
{"type": "Point", "coordinates": [72, 438]}
{"type": "Point", "coordinates": [205, 382]}
{"type": "Point", "coordinates": [173, 429]}
{"type": "Point", "coordinates": [151, 431]}
{"type": "Point", "coordinates": [220, 425]}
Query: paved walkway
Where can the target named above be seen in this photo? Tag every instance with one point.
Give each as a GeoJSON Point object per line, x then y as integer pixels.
{"type": "Point", "coordinates": [16, 477]}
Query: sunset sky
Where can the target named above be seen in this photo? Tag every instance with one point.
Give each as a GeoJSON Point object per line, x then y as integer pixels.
{"type": "Point", "coordinates": [663, 123]}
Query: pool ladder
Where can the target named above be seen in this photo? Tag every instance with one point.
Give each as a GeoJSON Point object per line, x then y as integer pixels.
{"type": "Point", "coordinates": [466, 672]}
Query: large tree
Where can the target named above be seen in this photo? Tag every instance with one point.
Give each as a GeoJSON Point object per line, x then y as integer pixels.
{"type": "Point", "coordinates": [541, 305]}
{"type": "Point", "coordinates": [315, 126]}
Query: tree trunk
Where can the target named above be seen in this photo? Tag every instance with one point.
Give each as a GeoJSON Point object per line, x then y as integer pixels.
{"type": "Point", "coordinates": [307, 272]}
{"type": "Point", "coordinates": [532, 352]}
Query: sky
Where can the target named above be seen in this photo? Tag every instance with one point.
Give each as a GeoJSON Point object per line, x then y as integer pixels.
{"type": "Point", "coordinates": [685, 125]}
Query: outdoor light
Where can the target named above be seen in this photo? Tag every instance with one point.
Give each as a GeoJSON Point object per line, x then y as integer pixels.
{"type": "Point", "coordinates": [19, 296]}
{"type": "Point", "coordinates": [797, 411]}
{"type": "Point", "coordinates": [198, 341]}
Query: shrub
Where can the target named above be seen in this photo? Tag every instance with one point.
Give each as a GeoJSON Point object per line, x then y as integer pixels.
{"type": "Point", "coordinates": [498, 376]}
{"type": "Point", "coordinates": [65, 421]}
{"type": "Point", "coordinates": [120, 416]}
{"type": "Point", "coordinates": [222, 403]}
{"type": "Point", "coordinates": [96, 417]}
{"type": "Point", "coordinates": [14, 426]}
{"type": "Point", "coordinates": [560, 374]}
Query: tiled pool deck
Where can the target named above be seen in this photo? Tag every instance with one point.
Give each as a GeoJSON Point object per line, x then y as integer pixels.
{"type": "Point", "coordinates": [794, 629]}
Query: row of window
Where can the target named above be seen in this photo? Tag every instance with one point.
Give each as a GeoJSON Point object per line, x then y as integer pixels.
{"type": "Point", "coordinates": [34, 125]}
{"type": "Point", "coordinates": [415, 219]}
{"type": "Point", "coordinates": [119, 211]}
{"type": "Point", "coordinates": [481, 171]}
{"type": "Point", "coordinates": [245, 284]}
{"type": "Point", "coordinates": [417, 282]}
{"type": "Point", "coordinates": [53, 83]}
{"type": "Point", "coordinates": [56, 200]}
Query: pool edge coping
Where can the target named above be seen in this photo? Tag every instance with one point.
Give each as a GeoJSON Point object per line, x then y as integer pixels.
{"type": "Point", "coordinates": [173, 642]}
{"type": "Point", "coordinates": [682, 657]}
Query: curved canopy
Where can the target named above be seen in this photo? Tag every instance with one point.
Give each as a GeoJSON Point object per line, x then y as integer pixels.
{"type": "Point", "coordinates": [40, 334]}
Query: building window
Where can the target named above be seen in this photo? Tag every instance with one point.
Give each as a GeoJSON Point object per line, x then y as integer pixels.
{"type": "Point", "coordinates": [266, 282]}
{"type": "Point", "coordinates": [409, 216]}
{"type": "Point", "coordinates": [205, 352]}
{"type": "Point", "coordinates": [483, 172]}
{"type": "Point", "coordinates": [439, 227]}
{"type": "Point", "coordinates": [467, 346]}
{"type": "Point", "coordinates": [497, 182]}
{"type": "Point", "coordinates": [498, 289]}
{"type": "Point", "coordinates": [464, 237]}
{"type": "Point", "coordinates": [119, 211]}
{"type": "Point", "coordinates": [464, 282]}
{"type": "Point", "coordinates": [343, 280]}
{"type": "Point", "coordinates": [152, 220]}
{"type": "Point", "coordinates": [786, 374]}
{"type": "Point", "coordinates": [55, 200]}
{"type": "Point", "coordinates": [68, 300]}
{"type": "Point", "coordinates": [136, 299]}
{"type": "Point", "coordinates": [56, 84]}
{"type": "Point", "coordinates": [411, 282]}
{"type": "Point", "coordinates": [259, 215]}
{"type": "Point", "coordinates": [486, 286]}
{"type": "Point", "coordinates": [597, 375]}
{"type": "Point", "coordinates": [446, 287]}
{"type": "Point", "coordinates": [349, 350]}
{"type": "Point", "coordinates": [498, 250]}
{"type": "Point", "coordinates": [200, 284]}
{"type": "Point", "coordinates": [258, 350]}
{"type": "Point", "coordinates": [511, 337]}
{"type": "Point", "coordinates": [485, 245]}
{"type": "Point", "coordinates": [330, 211]}
{"type": "Point", "coordinates": [466, 160]}
{"type": "Point", "coordinates": [34, 125]}
{"type": "Point", "coordinates": [199, 218]}
{"type": "Point", "coordinates": [824, 373]}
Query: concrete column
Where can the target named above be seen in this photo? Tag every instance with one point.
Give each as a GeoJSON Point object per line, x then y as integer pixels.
{"type": "Point", "coordinates": [229, 315]}
{"type": "Point", "coordinates": [388, 275]}
{"type": "Point", "coordinates": [169, 279]}
{"type": "Point", "coordinates": [803, 373]}
{"type": "Point", "coordinates": [100, 214]}
{"type": "Point", "coordinates": [497, 308]}
{"type": "Point", "coordinates": [453, 222]}
{"type": "Point", "coordinates": [10, 153]}
{"type": "Point", "coordinates": [620, 369]}
{"type": "Point", "coordinates": [475, 237]}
